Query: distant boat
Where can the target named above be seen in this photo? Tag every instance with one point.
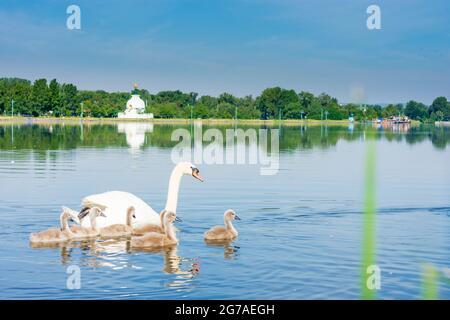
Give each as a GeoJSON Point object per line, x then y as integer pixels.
{"type": "Point", "coordinates": [397, 120]}
{"type": "Point", "coordinates": [401, 120]}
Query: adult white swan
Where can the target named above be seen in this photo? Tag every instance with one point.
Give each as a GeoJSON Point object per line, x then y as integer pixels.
{"type": "Point", "coordinates": [116, 203]}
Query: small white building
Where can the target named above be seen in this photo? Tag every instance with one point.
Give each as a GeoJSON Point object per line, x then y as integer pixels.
{"type": "Point", "coordinates": [135, 108]}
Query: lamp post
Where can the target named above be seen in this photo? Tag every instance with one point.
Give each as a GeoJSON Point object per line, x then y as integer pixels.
{"type": "Point", "coordinates": [192, 139]}
{"type": "Point", "coordinates": [364, 110]}
{"type": "Point", "coordinates": [12, 107]}
{"type": "Point", "coordinates": [235, 121]}
{"type": "Point", "coordinates": [326, 115]}
{"type": "Point", "coordinates": [82, 109]}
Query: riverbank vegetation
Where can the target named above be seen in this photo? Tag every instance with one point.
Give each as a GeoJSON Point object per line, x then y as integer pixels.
{"type": "Point", "coordinates": [43, 98]}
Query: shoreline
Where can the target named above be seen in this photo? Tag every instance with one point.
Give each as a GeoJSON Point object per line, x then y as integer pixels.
{"type": "Point", "coordinates": [160, 121]}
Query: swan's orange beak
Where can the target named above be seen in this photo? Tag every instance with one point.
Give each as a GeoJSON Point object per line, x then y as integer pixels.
{"type": "Point", "coordinates": [196, 174]}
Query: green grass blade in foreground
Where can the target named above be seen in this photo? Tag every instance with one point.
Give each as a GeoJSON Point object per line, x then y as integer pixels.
{"type": "Point", "coordinates": [369, 237]}
{"type": "Point", "coordinates": [430, 277]}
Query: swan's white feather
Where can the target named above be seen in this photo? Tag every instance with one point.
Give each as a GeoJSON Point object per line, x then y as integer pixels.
{"type": "Point", "coordinates": [115, 205]}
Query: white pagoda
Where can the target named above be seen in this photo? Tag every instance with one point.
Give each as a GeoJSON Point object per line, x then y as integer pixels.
{"type": "Point", "coordinates": [135, 108]}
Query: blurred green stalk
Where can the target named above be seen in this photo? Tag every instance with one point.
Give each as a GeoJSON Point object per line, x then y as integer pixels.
{"type": "Point", "coordinates": [430, 277]}
{"type": "Point", "coordinates": [368, 247]}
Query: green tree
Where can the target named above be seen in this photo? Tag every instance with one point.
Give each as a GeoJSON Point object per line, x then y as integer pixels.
{"type": "Point", "coordinates": [18, 90]}
{"type": "Point", "coordinates": [55, 97]}
{"type": "Point", "coordinates": [40, 97]}
{"type": "Point", "coordinates": [292, 110]}
{"type": "Point", "coordinates": [392, 110]}
{"type": "Point", "coordinates": [354, 110]}
{"type": "Point", "coordinates": [247, 108]}
{"type": "Point", "coordinates": [227, 98]}
{"type": "Point", "coordinates": [70, 106]}
{"type": "Point", "coordinates": [273, 100]}
{"type": "Point", "coordinates": [416, 110]}
{"type": "Point", "coordinates": [440, 104]}
{"type": "Point", "coordinates": [306, 103]}
{"type": "Point", "coordinates": [200, 111]}
{"type": "Point", "coordinates": [208, 101]}
{"type": "Point", "coordinates": [224, 110]}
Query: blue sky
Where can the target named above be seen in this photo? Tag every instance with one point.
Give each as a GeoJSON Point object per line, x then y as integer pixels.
{"type": "Point", "coordinates": [236, 46]}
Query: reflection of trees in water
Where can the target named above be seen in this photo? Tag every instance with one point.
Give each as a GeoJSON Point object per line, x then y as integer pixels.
{"type": "Point", "coordinates": [41, 138]}
{"type": "Point", "coordinates": [439, 137]}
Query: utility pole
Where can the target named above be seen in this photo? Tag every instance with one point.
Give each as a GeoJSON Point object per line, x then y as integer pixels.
{"type": "Point", "coordinates": [12, 107]}
{"type": "Point", "coordinates": [235, 121]}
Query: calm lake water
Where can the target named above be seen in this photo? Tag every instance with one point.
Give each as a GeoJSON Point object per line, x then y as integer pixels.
{"type": "Point", "coordinates": [301, 230]}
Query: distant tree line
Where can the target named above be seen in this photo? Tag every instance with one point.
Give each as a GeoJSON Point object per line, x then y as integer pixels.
{"type": "Point", "coordinates": [43, 98]}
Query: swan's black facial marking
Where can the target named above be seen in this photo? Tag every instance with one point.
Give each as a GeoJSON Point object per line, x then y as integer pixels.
{"type": "Point", "coordinates": [196, 174]}
{"type": "Point", "coordinates": [230, 214]}
{"type": "Point", "coordinates": [170, 216]}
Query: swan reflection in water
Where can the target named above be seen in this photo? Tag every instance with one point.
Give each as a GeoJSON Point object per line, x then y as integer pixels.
{"type": "Point", "coordinates": [86, 247]}
{"type": "Point", "coordinates": [229, 250]}
{"type": "Point", "coordinates": [115, 254]}
{"type": "Point", "coordinates": [173, 264]}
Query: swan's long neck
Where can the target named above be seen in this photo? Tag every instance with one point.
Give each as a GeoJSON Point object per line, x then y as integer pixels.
{"type": "Point", "coordinates": [229, 225]}
{"type": "Point", "coordinates": [64, 221]}
{"type": "Point", "coordinates": [170, 232]}
{"type": "Point", "coordinates": [93, 219]}
{"type": "Point", "coordinates": [174, 186]}
{"type": "Point", "coordinates": [161, 215]}
{"type": "Point", "coordinates": [129, 218]}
